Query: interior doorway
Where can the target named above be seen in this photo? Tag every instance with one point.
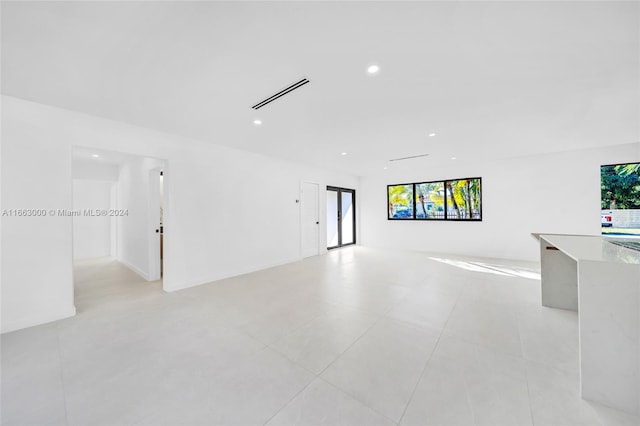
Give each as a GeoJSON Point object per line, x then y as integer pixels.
{"type": "Point", "coordinates": [119, 202]}
{"type": "Point", "coordinates": [341, 217]}
{"type": "Point", "coordinates": [161, 223]}
{"type": "Point", "coordinates": [156, 228]}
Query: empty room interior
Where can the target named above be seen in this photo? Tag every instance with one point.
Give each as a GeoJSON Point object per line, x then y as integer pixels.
{"type": "Point", "coordinates": [320, 213]}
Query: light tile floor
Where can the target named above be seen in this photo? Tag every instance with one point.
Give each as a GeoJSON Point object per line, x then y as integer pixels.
{"type": "Point", "coordinates": [357, 337]}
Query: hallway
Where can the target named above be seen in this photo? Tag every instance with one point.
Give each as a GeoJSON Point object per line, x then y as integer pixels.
{"type": "Point", "coordinates": [104, 284]}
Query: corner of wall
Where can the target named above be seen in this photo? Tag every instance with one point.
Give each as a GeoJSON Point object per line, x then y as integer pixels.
{"type": "Point", "coordinates": [135, 269]}
{"type": "Point", "coordinates": [33, 321]}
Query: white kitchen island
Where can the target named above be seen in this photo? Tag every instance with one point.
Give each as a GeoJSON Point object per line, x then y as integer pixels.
{"type": "Point", "coordinates": [601, 281]}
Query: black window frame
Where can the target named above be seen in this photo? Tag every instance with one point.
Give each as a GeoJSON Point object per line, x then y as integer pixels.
{"type": "Point", "coordinates": [340, 190]}
{"type": "Point", "coordinates": [446, 202]}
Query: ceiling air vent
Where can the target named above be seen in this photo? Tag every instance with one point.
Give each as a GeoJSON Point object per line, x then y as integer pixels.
{"type": "Point", "coordinates": [281, 93]}
{"type": "Point", "coordinates": [409, 158]}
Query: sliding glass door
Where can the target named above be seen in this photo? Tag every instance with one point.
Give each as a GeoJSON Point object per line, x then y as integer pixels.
{"type": "Point", "coordinates": [341, 217]}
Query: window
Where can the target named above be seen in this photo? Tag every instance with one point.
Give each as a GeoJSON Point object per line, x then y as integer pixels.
{"type": "Point", "coordinates": [620, 199]}
{"type": "Point", "coordinates": [456, 199]}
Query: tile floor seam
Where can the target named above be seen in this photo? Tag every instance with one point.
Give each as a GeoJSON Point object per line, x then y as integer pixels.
{"type": "Point", "coordinates": [319, 375]}
{"type": "Point", "coordinates": [355, 398]}
{"type": "Point", "coordinates": [468, 400]}
{"type": "Point", "coordinates": [238, 328]}
{"type": "Point", "coordinates": [337, 356]}
{"type": "Point", "coordinates": [407, 323]}
{"type": "Point", "coordinates": [293, 330]}
{"type": "Point", "coordinates": [548, 364]}
{"type": "Point", "coordinates": [404, 412]}
{"type": "Point", "coordinates": [289, 401]}
{"type": "Point", "coordinates": [349, 347]}
{"type": "Point", "coordinates": [483, 346]}
{"type": "Point", "coordinates": [62, 382]}
{"type": "Point", "coordinates": [420, 376]}
{"type": "Point", "coordinates": [291, 360]}
{"type": "Point", "coordinates": [555, 369]}
{"type": "Point", "coordinates": [526, 373]}
{"type": "Point", "coordinates": [526, 376]}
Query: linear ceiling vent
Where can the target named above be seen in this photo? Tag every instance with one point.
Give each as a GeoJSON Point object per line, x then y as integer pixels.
{"type": "Point", "coordinates": [281, 93]}
{"type": "Point", "coordinates": [409, 158]}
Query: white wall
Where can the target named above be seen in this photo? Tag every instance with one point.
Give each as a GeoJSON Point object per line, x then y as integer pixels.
{"type": "Point", "coordinates": [93, 170]}
{"type": "Point", "coordinates": [37, 281]}
{"type": "Point", "coordinates": [227, 212]}
{"type": "Point", "coordinates": [91, 234]}
{"type": "Point", "coordinates": [553, 193]}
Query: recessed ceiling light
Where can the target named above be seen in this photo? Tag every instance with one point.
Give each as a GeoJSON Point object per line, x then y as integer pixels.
{"type": "Point", "coordinates": [257, 122]}
{"type": "Point", "coordinates": [95, 155]}
{"type": "Point", "coordinates": [373, 69]}
{"type": "Point", "coordinates": [431, 135]}
{"type": "Point", "coordinates": [385, 168]}
{"type": "Point", "coordinates": [453, 158]}
{"type": "Point", "coordinates": [343, 153]}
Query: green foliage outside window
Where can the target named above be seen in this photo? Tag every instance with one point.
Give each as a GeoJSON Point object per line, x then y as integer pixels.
{"type": "Point", "coordinates": [620, 186]}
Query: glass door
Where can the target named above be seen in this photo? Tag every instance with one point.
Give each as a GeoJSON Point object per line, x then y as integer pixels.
{"type": "Point", "coordinates": [341, 217]}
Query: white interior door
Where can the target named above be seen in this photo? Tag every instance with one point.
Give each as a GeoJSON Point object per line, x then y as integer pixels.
{"type": "Point", "coordinates": [310, 219]}
{"type": "Point", "coordinates": [153, 227]}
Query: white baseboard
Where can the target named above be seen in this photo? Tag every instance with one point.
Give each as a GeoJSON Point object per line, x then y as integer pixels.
{"type": "Point", "coordinates": [134, 269]}
{"type": "Point", "coordinates": [38, 320]}
{"type": "Point", "coordinates": [169, 287]}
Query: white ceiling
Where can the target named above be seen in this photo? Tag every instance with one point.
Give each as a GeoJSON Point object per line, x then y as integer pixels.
{"type": "Point", "coordinates": [491, 79]}
{"type": "Point", "coordinates": [104, 157]}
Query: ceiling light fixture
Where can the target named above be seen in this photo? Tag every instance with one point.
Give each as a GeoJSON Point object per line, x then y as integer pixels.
{"type": "Point", "coordinates": [373, 69]}
{"type": "Point", "coordinates": [431, 135]}
{"type": "Point", "coordinates": [343, 153]}
{"type": "Point", "coordinates": [257, 122]}
{"type": "Point", "coordinates": [95, 155]}
{"type": "Point", "coordinates": [453, 158]}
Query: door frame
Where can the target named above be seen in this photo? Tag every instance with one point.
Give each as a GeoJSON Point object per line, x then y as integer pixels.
{"type": "Point", "coordinates": [317, 253]}
{"type": "Point", "coordinates": [340, 190]}
{"type": "Point", "coordinates": [153, 224]}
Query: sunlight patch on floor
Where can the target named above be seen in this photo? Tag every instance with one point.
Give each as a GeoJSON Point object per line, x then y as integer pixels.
{"type": "Point", "coordinates": [490, 269]}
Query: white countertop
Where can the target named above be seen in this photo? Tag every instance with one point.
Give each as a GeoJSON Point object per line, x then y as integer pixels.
{"type": "Point", "coordinates": [583, 247]}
